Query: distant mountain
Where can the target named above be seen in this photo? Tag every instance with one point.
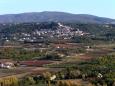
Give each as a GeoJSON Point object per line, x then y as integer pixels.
{"type": "Point", "coordinates": [47, 16]}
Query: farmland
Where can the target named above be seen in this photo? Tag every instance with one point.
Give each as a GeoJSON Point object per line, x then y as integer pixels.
{"type": "Point", "coordinates": [62, 61]}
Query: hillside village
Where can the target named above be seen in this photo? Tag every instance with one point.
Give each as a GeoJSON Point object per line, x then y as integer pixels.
{"type": "Point", "coordinates": [60, 32]}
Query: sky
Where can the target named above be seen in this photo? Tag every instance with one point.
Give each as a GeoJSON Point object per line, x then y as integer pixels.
{"type": "Point", "coordinates": [102, 8]}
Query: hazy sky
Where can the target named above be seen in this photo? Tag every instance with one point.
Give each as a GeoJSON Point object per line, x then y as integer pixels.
{"type": "Point", "coordinates": [103, 8]}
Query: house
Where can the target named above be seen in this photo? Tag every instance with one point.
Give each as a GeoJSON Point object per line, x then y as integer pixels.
{"type": "Point", "coordinates": [6, 63]}
{"type": "Point", "coordinates": [53, 77]}
{"type": "Point", "coordinates": [99, 75]}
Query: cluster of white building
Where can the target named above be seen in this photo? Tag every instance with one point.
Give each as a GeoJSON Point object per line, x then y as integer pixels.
{"type": "Point", "coordinates": [7, 65]}
{"type": "Point", "coordinates": [61, 31]}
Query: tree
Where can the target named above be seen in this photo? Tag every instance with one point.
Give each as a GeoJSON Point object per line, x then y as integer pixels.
{"type": "Point", "coordinates": [46, 77]}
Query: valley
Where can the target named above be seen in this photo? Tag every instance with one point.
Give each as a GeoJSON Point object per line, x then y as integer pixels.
{"type": "Point", "coordinates": [57, 53]}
